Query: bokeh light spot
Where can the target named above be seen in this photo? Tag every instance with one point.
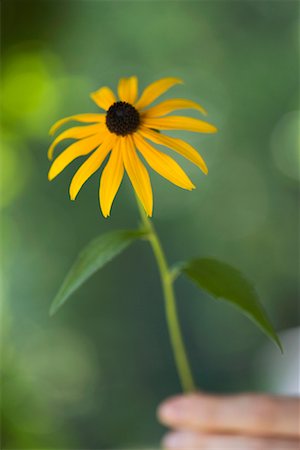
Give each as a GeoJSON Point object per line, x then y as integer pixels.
{"type": "Point", "coordinates": [285, 145]}
{"type": "Point", "coordinates": [14, 171]}
{"type": "Point", "coordinates": [29, 92]}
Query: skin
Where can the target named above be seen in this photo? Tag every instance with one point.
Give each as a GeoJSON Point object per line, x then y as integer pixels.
{"type": "Point", "coordinates": [234, 422]}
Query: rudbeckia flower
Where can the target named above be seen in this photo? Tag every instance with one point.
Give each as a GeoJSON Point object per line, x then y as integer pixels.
{"type": "Point", "coordinates": [126, 131]}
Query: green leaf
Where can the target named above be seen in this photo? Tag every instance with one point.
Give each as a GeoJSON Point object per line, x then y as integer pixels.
{"type": "Point", "coordinates": [225, 282]}
{"type": "Point", "coordinates": [93, 257]}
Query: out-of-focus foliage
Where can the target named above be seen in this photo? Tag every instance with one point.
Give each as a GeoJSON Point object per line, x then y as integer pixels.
{"type": "Point", "coordinates": [92, 376]}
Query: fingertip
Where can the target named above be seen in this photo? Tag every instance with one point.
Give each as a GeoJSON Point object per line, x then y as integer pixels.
{"type": "Point", "coordinates": [182, 440]}
{"type": "Point", "coordinates": [169, 441]}
{"type": "Point", "coordinates": [168, 408]}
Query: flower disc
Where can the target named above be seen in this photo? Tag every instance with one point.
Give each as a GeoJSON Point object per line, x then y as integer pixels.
{"type": "Point", "coordinates": [122, 118]}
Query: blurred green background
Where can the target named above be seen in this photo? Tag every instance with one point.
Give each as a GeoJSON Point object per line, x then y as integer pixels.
{"type": "Point", "coordinates": [92, 376]}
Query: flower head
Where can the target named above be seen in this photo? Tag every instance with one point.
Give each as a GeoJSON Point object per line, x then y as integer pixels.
{"type": "Point", "coordinates": [128, 129]}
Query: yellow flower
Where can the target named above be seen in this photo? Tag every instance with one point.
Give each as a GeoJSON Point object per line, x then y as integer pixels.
{"type": "Point", "coordinates": [126, 130]}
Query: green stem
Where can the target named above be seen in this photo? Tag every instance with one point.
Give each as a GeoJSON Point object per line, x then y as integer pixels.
{"type": "Point", "coordinates": [182, 364]}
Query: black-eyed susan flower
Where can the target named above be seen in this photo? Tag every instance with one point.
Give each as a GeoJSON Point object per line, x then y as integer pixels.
{"type": "Point", "coordinates": [127, 130]}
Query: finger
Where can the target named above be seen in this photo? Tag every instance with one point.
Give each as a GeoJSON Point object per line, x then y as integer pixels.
{"type": "Point", "coordinates": [250, 414]}
{"type": "Point", "coordinates": [185, 440]}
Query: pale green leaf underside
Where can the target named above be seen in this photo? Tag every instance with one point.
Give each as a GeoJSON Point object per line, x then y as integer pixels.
{"type": "Point", "coordinates": [93, 257]}
{"type": "Point", "coordinates": [225, 282]}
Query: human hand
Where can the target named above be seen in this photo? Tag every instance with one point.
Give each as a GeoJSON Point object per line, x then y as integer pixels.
{"type": "Point", "coordinates": [234, 422]}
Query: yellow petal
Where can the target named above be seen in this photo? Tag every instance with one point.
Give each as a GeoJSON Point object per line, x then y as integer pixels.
{"type": "Point", "coordinates": [154, 90]}
{"type": "Point", "coordinates": [92, 118]}
{"type": "Point", "coordinates": [90, 166]}
{"type": "Point", "coordinates": [128, 89]}
{"type": "Point", "coordinates": [137, 173]}
{"type": "Point", "coordinates": [111, 179]}
{"type": "Point", "coordinates": [104, 98]}
{"type": "Point", "coordinates": [179, 123]}
{"type": "Point", "coordinates": [168, 106]}
{"type": "Point", "coordinates": [79, 148]}
{"type": "Point", "coordinates": [181, 147]}
{"type": "Point", "coordinates": [76, 133]}
{"type": "Point", "coordinates": [163, 164]}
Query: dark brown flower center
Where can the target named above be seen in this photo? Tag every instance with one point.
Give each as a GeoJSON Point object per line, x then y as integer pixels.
{"type": "Point", "coordinates": [122, 118]}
